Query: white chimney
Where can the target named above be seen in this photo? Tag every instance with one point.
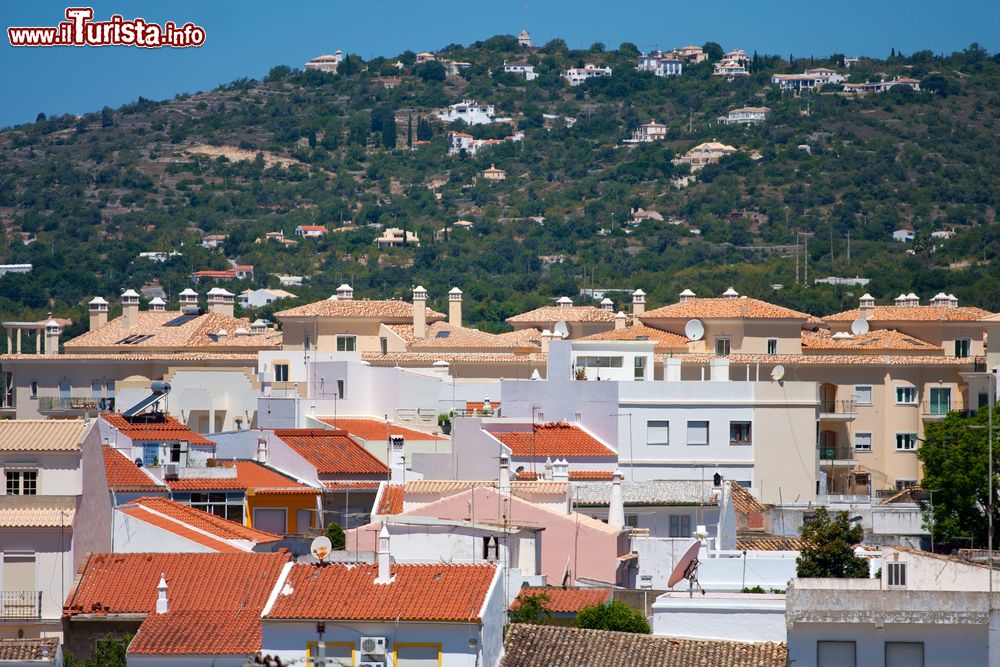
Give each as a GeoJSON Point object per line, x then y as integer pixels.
{"type": "Point", "coordinates": [900, 300]}
{"type": "Point", "coordinates": [560, 470]}
{"type": "Point", "coordinates": [455, 307]}
{"type": "Point", "coordinates": [262, 447]}
{"type": "Point", "coordinates": [220, 301]}
{"type": "Point", "coordinates": [419, 312]}
{"type": "Point", "coordinates": [188, 300]}
{"type": "Point", "coordinates": [258, 326]}
{"type": "Point", "coordinates": [912, 299]}
{"type": "Point", "coordinates": [548, 468]}
{"type": "Point", "coordinates": [546, 337]}
{"type": "Point", "coordinates": [608, 305]}
{"type": "Point", "coordinates": [686, 295]}
{"type": "Point", "coordinates": [638, 303]}
{"type": "Point", "coordinates": [564, 302]}
{"type": "Point", "coordinates": [866, 306]}
{"type": "Point", "coordinates": [672, 369]}
{"type": "Point", "coordinates": [504, 485]}
{"type": "Point", "coordinates": [383, 557]}
{"type": "Point", "coordinates": [52, 332]}
{"type": "Point", "coordinates": [730, 294]}
{"type": "Point", "coordinates": [620, 320]}
{"type": "Point", "coordinates": [616, 507]}
{"type": "Point", "coordinates": [345, 293]}
{"type": "Point", "coordinates": [98, 308]}
{"type": "Point", "coordinates": [162, 605]}
{"type": "Point", "coordinates": [130, 309]}
{"type": "Point", "coordinates": [157, 305]}
{"type": "Point", "coordinates": [952, 301]}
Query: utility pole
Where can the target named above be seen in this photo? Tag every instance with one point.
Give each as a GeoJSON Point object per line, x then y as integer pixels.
{"type": "Point", "coordinates": [797, 256]}
{"type": "Point", "coordinates": [848, 247]}
{"type": "Point", "coordinates": [805, 262]}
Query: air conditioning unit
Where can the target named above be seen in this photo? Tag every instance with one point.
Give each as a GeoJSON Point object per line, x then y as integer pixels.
{"type": "Point", "coordinates": [373, 646]}
{"type": "Point", "coordinates": [170, 471]}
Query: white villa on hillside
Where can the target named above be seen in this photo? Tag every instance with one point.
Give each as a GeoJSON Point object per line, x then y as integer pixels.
{"type": "Point", "coordinates": [881, 86]}
{"type": "Point", "coordinates": [521, 68]}
{"type": "Point", "coordinates": [393, 237]}
{"type": "Point", "coordinates": [326, 63]}
{"type": "Point", "coordinates": [730, 69]}
{"type": "Point", "coordinates": [648, 132]}
{"type": "Point", "coordinates": [660, 64]}
{"type": "Point", "coordinates": [811, 79]}
{"type": "Point", "coordinates": [745, 116]}
{"type": "Point", "coordinates": [706, 153]}
{"type": "Point", "coordinates": [460, 141]}
{"type": "Point", "coordinates": [471, 112]}
{"type": "Point", "coordinates": [577, 75]}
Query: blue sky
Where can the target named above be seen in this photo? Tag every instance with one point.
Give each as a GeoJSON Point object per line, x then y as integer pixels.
{"type": "Point", "coordinates": [245, 39]}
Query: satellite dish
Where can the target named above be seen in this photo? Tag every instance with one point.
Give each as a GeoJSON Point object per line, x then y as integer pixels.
{"type": "Point", "coordinates": [777, 373]}
{"type": "Point", "coordinates": [687, 568]}
{"type": "Point", "coordinates": [694, 330]}
{"type": "Point", "coordinates": [321, 548]}
{"type": "Point", "coordinates": [561, 329]}
{"type": "Point", "coordinates": [859, 326]}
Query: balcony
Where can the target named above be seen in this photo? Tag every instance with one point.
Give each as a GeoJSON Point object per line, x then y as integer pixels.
{"type": "Point", "coordinates": [935, 410]}
{"type": "Point", "coordinates": [838, 411]}
{"type": "Point", "coordinates": [74, 404]}
{"type": "Point", "coordinates": [836, 454]}
{"type": "Point", "coordinates": [20, 605]}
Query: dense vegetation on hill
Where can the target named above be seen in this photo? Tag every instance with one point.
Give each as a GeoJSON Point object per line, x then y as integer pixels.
{"type": "Point", "coordinates": [81, 197]}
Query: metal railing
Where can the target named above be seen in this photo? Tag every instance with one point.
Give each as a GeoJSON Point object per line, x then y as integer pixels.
{"type": "Point", "coordinates": [836, 452]}
{"type": "Point", "coordinates": [838, 407]}
{"type": "Point", "coordinates": [75, 404]}
{"type": "Point", "coordinates": [936, 408]}
{"type": "Point", "coordinates": [20, 604]}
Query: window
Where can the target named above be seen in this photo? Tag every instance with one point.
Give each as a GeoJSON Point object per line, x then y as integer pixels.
{"type": "Point", "coordinates": [599, 362]}
{"type": "Point", "coordinates": [862, 442]}
{"type": "Point", "coordinates": [631, 520]}
{"type": "Point", "coordinates": [772, 346]}
{"type": "Point", "coordinates": [905, 484]}
{"type": "Point", "coordinates": [175, 452]}
{"type": "Point", "coordinates": [346, 343]}
{"type": "Point", "coordinates": [417, 654]}
{"type": "Point", "coordinates": [697, 433]}
{"type": "Point", "coordinates": [657, 433]}
{"type": "Point", "coordinates": [227, 505]}
{"type": "Point", "coordinates": [906, 395]}
{"type": "Point", "coordinates": [836, 654]}
{"type": "Point", "coordinates": [680, 525]}
{"type": "Point", "coordinates": [19, 577]}
{"type": "Point", "coordinates": [940, 400]}
{"type": "Point", "coordinates": [281, 372]}
{"type": "Point", "coordinates": [862, 395]}
{"type": "Point", "coordinates": [904, 654]}
{"type": "Point", "coordinates": [906, 442]}
{"type": "Point", "coordinates": [739, 433]}
{"type": "Point", "coordinates": [64, 389]}
{"type": "Point", "coordinates": [271, 520]}
{"type": "Point", "coordinates": [96, 389]}
{"type": "Point", "coordinates": [963, 347]}
{"type": "Point", "coordinates": [383, 345]}
{"type": "Point", "coordinates": [109, 389]}
{"type": "Point", "coordinates": [22, 482]}
{"type": "Point", "coordinates": [303, 520]}
{"type": "Point", "coordinates": [337, 653]}
{"type": "Point", "coordinates": [895, 575]}
{"type": "Point", "coordinates": [8, 390]}
{"type": "Point", "coordinates": [150, 454]}
{"type": "Point", "coordinates": [722, 347]}
{"type": "Point", "coordinates": [33, 388]}
{"type": "Point", "coordinates": [640, 368]}
{"type": "Point", "coordinates": [340, 389]}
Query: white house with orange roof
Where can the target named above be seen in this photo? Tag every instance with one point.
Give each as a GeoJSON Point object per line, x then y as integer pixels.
{"type": "Point", "coordinates": [578, 75]}
{"type": "Point", "coordinates": [745, 116]}
{"type": "Point", "coordinates": [326, 63]}
{"type": "Point", "coordinates": [647, 133]}
{"type": "Point", "coordinates": [810, 79]}
{"type": "Point", "coordinates": [705, 153]}
{"type": "Point", "coordinates": [660, 64]}
{"type": "Point", "coordinates": [730, 69]}
{"type": "Point", "coordinates": [471, 112]}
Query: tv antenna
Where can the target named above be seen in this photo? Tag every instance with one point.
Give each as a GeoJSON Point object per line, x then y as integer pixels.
{"type": "Point", "coordinates": [687, 568]}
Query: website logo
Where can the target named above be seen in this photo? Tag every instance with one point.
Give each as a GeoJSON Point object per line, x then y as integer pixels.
{"type": "Point", "coordinates": [80, 29]}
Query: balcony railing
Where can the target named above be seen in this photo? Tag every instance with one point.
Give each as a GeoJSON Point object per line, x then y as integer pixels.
{"type": "Point", "coordinates": [937, 408]}
{"type": "Point", "coordinates": [836, 453]}
{"type": "Point", "coordinates": [20, 604]}
{"type": "Point", "coordinates": [75, 404]}
{"type": "Point", "coordinates": [842, 407]}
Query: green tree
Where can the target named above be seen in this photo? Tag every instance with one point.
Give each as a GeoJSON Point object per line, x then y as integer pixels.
{"type": "Point", "coordinates": [349, 65]}
{"type": "Point", "coordinates": [336, 536]}
{"type": "Point", "coordinates": [107, 117]}
{"type": "Point", "coordinates": [713, 50]}
{"type": "Point", "coordinates": [109, 653]}
{"type": "Point", "coordinates": [430, 71]}
{"type": "Point", "coordinates": [615, 615]}
{"type": "Point", "coordinates": [531, 609]}
{"type": "Point", "coordinates": [829, 548]}
{"type": "Point", "coordinates": [955, 456]}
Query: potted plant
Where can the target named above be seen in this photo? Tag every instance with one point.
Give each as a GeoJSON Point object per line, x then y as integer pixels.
{"type": "Point", "coordinates": [444, 423]}
{"type": "Point", "coordinates": [581, 373]}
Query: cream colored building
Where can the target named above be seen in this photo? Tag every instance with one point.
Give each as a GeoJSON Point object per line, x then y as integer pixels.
{"type": "Point", "coordinates": [709, 152]}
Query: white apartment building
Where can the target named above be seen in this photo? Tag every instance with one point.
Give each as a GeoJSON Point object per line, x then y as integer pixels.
{"type": "Point", "coordinates": [745, 116]}
{"type": "Point", "coordinates": [521, 68]}
{"type": "Point", "coordinates": [578, 75]}
{"type": "Point", "coordinates": [660, 64]}
{"type": "Point", "coordinates": [471, 112]}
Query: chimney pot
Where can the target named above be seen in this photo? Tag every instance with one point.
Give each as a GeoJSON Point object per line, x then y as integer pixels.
{"type": "Point", "coordinates": [638, 303]}
{"type": "Point", "coordinates": [620, 320]}
{"type": "Point", "coordinates": [419, 312]}
{"type": "Point", "coordinates": [162, 605]}
{"type": "Point", "coordinates": [616, 506]}
{"type": "Point", "coordinates": [221, 301]}
{"type": "Point", "coordinates": [455, 307]}
{"type": "Point", "coordinates": [384, 559]}
{"type": "Point", "coordinates": [345, 292]}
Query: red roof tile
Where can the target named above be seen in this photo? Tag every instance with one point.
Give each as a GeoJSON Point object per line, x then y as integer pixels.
{"type": "Point", "coordinates": [166, 430]}
{"type": "Point", "coordinates": [126, 583]}
{"type": "Point", "coordinates": [178, 514]}
{"type": "Point", "coordinates": [392, 499]}
{"type": "Point", "coordinates": [249, 475]}
{"type": "Point", "coordinates": [554, 439]}
{"type": "Point", "coordinates": [739, 308]}
{"type": "Point", "coordinates": [124, 475]}
{"type": "Point", "coordinates": [199, 632]}
{"type": "Point", "coordinates": [332, 452]}
{"type": "Point", "coordinates": [590, 475]}
{"type": "Point", "coordinates": [565, 600]}
{"type": "Point", "coordinates": [913, 314]}
{"type": "Point", "coordinates": [351, 486]}
{"type": "Point", "coordinates": [377, 429]}
{"type": "Point", "coordinates": [417, 592]}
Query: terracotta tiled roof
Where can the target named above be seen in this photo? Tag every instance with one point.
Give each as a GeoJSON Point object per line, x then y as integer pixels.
{"type": "Point", "coordinates": [743, 500]}
{"type": "Point", "coordinates": [528, 645]}
{"type": "Point", "coordinates": [376, 429]}
{"type": "Point", "coordinates": [124, 475]}
{"type": "Point", "coordinates": [665, 340]}
{"type": "Point", "coordinates": [742, 308]}
{"type": "Point", "coordinates": [37, 511]}
{"type": "Point", "coordinates": [768, 543]}
{"type": "Point", "coordinates": [168, 514]}
{"type": "Point", "coordinates": [526, 476]}
{"type": "Point", "coordinates": [199, 632]}
{"type": "Point", "coordinates": [556, 439]}
{"type": "Point", "coordinates": [477, 407]}
{"type": "Point", "coordinates": [913, 314]}
{"type": "Point", "coordinates": [651, 493]}
{"type": "Point", "coordinates": [249, 475]}
{"type": "Point", "coordinates": [42, 435]}
{"type": "Point", "coordinates": [351, 486]}
{"type": "Point", "coordinates": [18, 650]}
{"type": "Point", "coordinates": [126, 583]}
{"type": "Point", "coordinates": [167, 429]}
{"type": "Point", "coordinates": [385, 311]}
{"type": "Point", "coordinates": [446, 336]}
{"type": "Point", "coordinates": [590, 475]}
{"type": "Point", "coordinates": [417, 592]}
{"type": "Point", "coordinates": [530, 337]}
{"type": "Point", "coordinates": [448, 487]}
{"type": "Point", "coordinates": [547, 314]}
{"type": "Point", "coordinates": [565, 600]}
{"type": "Point", "coordinates": [392, 500]}
{"type": "Point", "coordinates": [428, 358]}
{"type": "Point", "coordinates": [877, 340]}
{"type": "Point", "coordinates": [839, 359]}
{"type": "Point", "coordinates": [332, 452]}
{"type": "Point", "coordinates": [171, 330]}
{"type": "Point", "coordinates": [152, 355]}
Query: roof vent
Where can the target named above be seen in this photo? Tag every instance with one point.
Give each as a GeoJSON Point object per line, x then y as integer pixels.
{"type": "Point", "coordinates": [900, 300]}
{"type": "Point", "coordinates": [157, 305]}
{"type": "Point", "coordinates": [866, 301]}
{"type": "Point", "coordinates": [259, 326]}
{"type": "Point", "coordinates": [607, 304]}
{"type": "Point", "coordinates": [345, 292]}
{"type": "Point", "coordinates": [952, 301]}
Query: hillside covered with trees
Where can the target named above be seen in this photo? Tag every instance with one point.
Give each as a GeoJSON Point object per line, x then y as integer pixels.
{"type": "Point", "coordinates": [81, 197]}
